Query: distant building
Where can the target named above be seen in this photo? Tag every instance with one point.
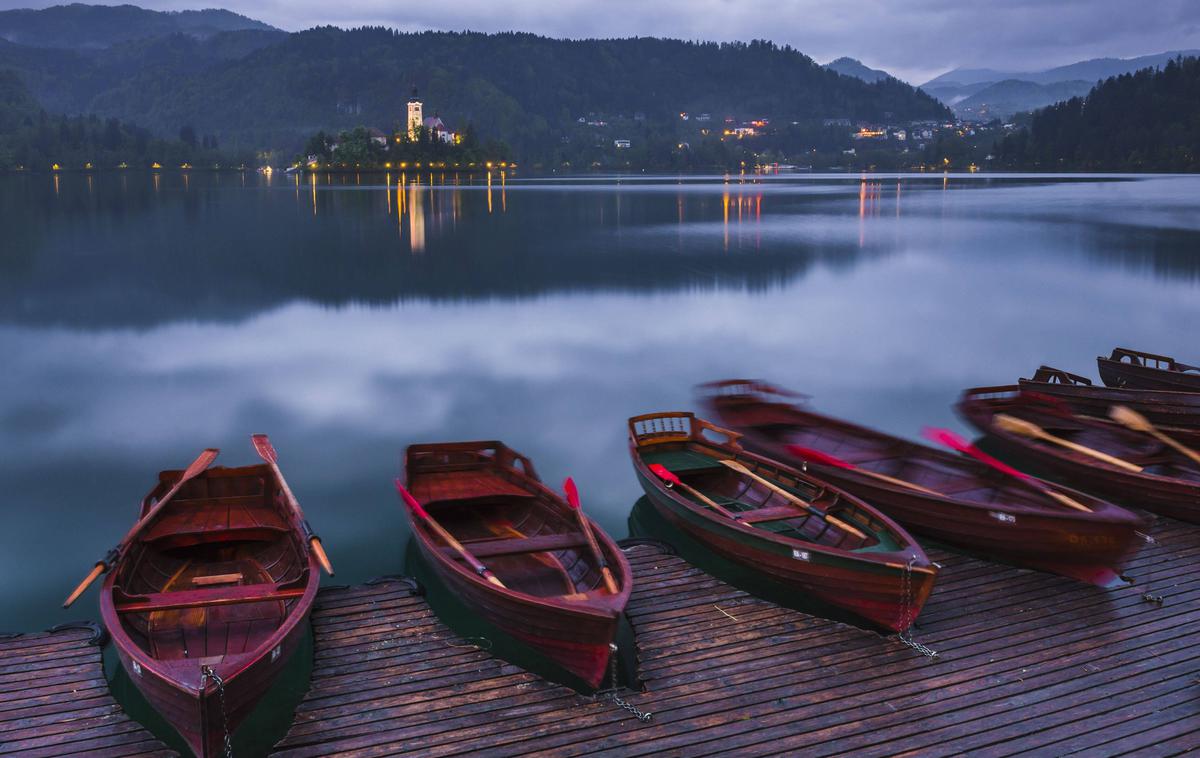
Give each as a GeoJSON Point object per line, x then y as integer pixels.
{"type": "Point", "coordinates": [377, 136]}
{"type": "Point", "coordinates": [870, 132]}
{"type": "Point", "coordinates": [414, 115]}
{"type": "Point", "coordinates": [434, 126]}
{"type": "Point", "coordinates": [621, 144]}
{"type": "Point", "coordinates": [704, 117]}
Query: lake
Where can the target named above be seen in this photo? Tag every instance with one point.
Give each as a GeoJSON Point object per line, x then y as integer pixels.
{"type": "Point", "coordinates": [144, 317]}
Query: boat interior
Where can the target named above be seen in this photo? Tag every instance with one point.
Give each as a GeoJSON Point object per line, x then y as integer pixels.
{"type": "Point", "coordinates": [946, 473]}
{"type": "Point", "coordinates": [1154, 456]}
{"type": "Point", "coordinates": [217, 571]}
{"type": "Point", "coordinates": [481, 493]}
{"type": "Point", "coordinates": [700, 467]}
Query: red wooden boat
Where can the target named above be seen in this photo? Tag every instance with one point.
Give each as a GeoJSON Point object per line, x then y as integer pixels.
{"type": "Point", "coordinates": [1135, 369]}
{"type": "Point", "coordinates": [553, 595]}
{"type": "Point", "coordinates": [872, 569]}
{"type": "Point", "coordinates": [1168, 482]}
{"type": "Point", "coordinates": [964, 503]}
{"type": "Point", "coordinates": [209, 596]}
{"type": "Point", "coordinates": [1164, 408]}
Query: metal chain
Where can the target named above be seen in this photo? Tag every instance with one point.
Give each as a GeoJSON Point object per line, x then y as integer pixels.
{"type": "Point", "coordinates": [210, 672]}
{"type": "Point", "coordinates": [906, 590]}
{"type": "Point", "coordinates": [642, 716]}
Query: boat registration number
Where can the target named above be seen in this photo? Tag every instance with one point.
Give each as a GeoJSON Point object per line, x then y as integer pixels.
{"type": "Point", "coordinates": [1006, 518]}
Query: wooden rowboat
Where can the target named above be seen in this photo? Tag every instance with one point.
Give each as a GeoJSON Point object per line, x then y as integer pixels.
{"type": "Point", "coordinates": [872, 569]}
{"type": "Point", "coordinates": [962, 502]}
{"type": "Point", "coordinates": [1164, 408]}
{"type": "Point", "coordinates": [209, 599]}
{"type": "Point", "coordinates": [1135, 369]}
{"type": "Point", "coordinates": [1168, 482]}
{"type": "Point", "coordinates": [551, 593]}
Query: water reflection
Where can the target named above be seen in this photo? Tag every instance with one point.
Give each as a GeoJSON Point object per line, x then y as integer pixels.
{"type": "Point", "coordinates": [148, 319]}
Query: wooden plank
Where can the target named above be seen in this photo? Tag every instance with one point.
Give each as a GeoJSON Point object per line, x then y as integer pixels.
{"type": "Point", "coordinates": [55, 701]}
{"type": "Point", "coordinates": [1026, 659]}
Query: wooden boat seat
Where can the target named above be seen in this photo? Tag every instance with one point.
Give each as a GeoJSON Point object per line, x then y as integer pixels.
{"type": "Point", "coordinates": [190, 522]}
{"type": "Point", "coordinates": [771, 513]}
{"type": "Point", "coordinates": [203, 598]}
{"type": "Point", "coordinates": [682, 461]}
{"type": "Point", "coordinates": [466, 485]}
{"type": "Point", "coordinates": [517, 546]}
{"type": "Point", "coordinates": [218, 579]}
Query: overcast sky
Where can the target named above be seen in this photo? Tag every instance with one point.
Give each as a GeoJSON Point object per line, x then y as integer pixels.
{"type": "Point", "coordinates": [914, 39]}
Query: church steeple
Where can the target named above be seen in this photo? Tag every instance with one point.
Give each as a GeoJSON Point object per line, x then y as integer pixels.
{"type": "Point", "coordinates": [415, 117]}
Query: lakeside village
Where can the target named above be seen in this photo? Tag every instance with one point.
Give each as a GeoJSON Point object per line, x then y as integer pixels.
{"type": "Point", "coordinates": [592, 142]}
{"type": "Point", "coordinates": [696, 142]}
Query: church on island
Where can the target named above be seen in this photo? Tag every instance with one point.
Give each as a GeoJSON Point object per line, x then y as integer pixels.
{"type": "Point", "coordinates": [433, 124]}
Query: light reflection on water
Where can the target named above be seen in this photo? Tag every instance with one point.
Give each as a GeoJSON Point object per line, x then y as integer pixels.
{"type": "Point", "coordinates": [148, 316]}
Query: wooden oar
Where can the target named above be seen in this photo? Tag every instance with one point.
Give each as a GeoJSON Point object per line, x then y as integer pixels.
{"type": "Point", "coordinates": [1130, 418]}
{"type": "Point", "coordinates": [266, 451]}
{"type": "Point", "coordinates": [793, 499]}
{"type": "Point", "coordinates": [573, 501]}
{"type": "Point", "coordinates": [825, 459]}
{"type": "Point", "coordinates": [447, 537]}
{"type": "Point", "coordinates": [1033, 431]}
{"type": "Point", "coordinates": [954, 442]}
{"type": "Point", "coordinates": [674, 481]}
{"type": "Point", "coordinates": [104, 564]}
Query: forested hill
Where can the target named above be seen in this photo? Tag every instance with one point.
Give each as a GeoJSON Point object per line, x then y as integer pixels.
{"type": "Point", "coordinates": [521, 88]}
{"type": "Point", "coordinates": [99, 26]}
{"type": "Point", "coordinates": [1146, 121]}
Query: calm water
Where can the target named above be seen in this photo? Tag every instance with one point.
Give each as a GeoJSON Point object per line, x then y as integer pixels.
{"type": "Point", "coordinates": [144, 317]}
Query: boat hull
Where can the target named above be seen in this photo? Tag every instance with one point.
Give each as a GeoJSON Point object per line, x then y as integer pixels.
{"type": "Point", "coordinates": [195, 710]}
{"type": "Point", "coordinates": [577, 641]}
{"type": "Point", "coordinates": [869, 590]}
{"type": "Point", "coordinates": [1086, 549]}
{"type": "Point", "coordinates": [1121, 374]}
{"type": "Point", "coordinates": [1168, 496]}
{"type": "Point", "coordinates": [1091, 547]}
{"type": "Point", "coordinates": [1163, 408]}
{"type": "Point", "coordinates": [555, 597]}
{"type": "Point", "coordinates": [211, 598]}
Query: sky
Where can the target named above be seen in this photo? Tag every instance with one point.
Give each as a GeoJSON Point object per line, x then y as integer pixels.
{"type": "Point", "coordinates": [913, 39]}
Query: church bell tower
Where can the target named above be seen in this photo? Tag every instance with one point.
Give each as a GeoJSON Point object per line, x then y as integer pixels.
{"type": "Point", "coordinates": [415, 118]}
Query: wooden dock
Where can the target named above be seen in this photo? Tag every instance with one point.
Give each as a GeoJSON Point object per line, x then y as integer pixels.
{"type": "Point", "coordinates": [54, 700]}
{"type": "Point", "coordinates": [1028, 662]}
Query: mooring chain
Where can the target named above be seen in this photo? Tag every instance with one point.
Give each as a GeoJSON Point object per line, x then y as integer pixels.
{"type": "Point", "coordinates": [905, 635]}
{"type": "Point", "coordinates": [642, 716]}
{"type": "Point", "coordinates": [208, 671]}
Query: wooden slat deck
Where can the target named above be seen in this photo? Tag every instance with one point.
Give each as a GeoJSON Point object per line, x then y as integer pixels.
{"type": "Point", "coordinates": [54, 700]}
{"type": "Point", "coordinates": [1029, 662]}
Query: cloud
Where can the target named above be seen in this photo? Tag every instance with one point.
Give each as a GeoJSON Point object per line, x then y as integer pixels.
{"type": "Point", "coordinates": [915, 39]}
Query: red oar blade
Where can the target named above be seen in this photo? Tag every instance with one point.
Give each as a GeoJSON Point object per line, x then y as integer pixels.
{"type": "Point", "coordinates": [816, 456]}
{"type": "Point", "coordinates": [411, 501]}
{"type": "Point", "coordinates": [572, 493]}
{"type": "Point", "coordinates": [266, 451]}
{"type": "Point", "coordinates": [661, 472]}
{"type": "Point", "coordinates": [203, 461]}
{"type": "Point", "coordinates": [945, 437]}
{"type": "Point", "coordinates": [954, 442]}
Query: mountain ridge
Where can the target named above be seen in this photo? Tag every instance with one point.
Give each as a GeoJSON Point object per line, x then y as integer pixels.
{"type": "Point", "coordinates": [847, 66]}
{"type": "Point", "coordinates": [93, 27]}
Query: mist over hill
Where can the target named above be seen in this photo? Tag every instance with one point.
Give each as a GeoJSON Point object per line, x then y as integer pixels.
{"type": "Point", "coordinates": [988, 93]}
